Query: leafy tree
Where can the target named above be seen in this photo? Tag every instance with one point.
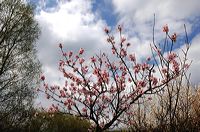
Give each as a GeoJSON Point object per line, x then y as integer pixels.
{"type": "Point", "coordinates": [57, 122]}
{"type": "Point", "coordinates": [19, 67]}
{"type": "Point", "coordinates": [104, 88]}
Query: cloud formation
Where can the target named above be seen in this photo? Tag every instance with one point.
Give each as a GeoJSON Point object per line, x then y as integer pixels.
{"type": "Point", "coordinates": [138, 15]}
{"type": "Point", "coordinates": [75, 24]}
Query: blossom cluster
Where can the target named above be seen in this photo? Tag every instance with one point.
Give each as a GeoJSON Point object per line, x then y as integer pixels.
{"type": "Point", "coordinates": [104, 87]}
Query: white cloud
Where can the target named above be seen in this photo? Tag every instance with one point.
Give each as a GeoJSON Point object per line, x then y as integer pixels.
{"type": "Point", "coordinates": [137, 17]}
{"type": "Point", "coordinates": [74, 25]}
{"type": "Point", "coordinates": [194, 55]}
{"type": "Point", "coordinates": [138, 14]}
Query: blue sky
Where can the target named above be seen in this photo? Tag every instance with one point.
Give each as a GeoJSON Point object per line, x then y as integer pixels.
{"type": "Point", "coordinates": [80, 23]}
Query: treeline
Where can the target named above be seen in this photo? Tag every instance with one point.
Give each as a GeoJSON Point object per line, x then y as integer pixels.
{"type": "Point", "coordinates": [45, 122]}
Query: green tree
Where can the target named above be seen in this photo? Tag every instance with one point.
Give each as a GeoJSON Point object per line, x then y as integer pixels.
{"type": "Point", "coordinates": [57, 122]}
{"type": "Point", "coordinates": [19, 67]}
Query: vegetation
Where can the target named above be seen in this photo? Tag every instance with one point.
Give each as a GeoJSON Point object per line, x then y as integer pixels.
{"type": "Point", "coordinates": [108, 92]}
{"type": "Point", "coordinates": [57, 122]}
{"type": "Point", "coordinates": [19, 67]}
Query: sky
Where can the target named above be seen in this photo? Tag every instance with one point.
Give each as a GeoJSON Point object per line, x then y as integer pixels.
{"type": "Point", "coordinates": [80, 24]}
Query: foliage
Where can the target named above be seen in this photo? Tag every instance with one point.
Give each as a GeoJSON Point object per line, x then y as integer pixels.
{"type": "Point", "coordinates": [19, 67]}
{"type": "Point", "coordinates": [57, 122]}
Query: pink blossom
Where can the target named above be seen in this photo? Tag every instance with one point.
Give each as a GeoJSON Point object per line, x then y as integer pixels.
{"type": "Point", "coordinates": [137, 68]}
{"type": "Point", "coordinates": [62, 93]}
{"type": "Point", "coordinates": [171, 56]}
{"type": "Point", "coordinates": [148, 58]}
{"type": "Point", "coordinates": [113, 50]}
{"type": "Point", "coordinates": [69, 107]}
{"type": "Point", "coordinates": [141, 84]}
{"type": "Point", "coordinates": [84, 110]}
{"type": "Point", "coordinates": [47, 96]}
{"type": "Point", "coordinates": [64, 54]}
{"type": "Point", "coordinates": [66, 103]}
{"type": "Point", "coordinates": [145, 66]}
{"type": "Point", "coordinates": [128, 44]}
{"type": "Point", "coordinates": [60, 45]}
{"type": "Point", "coordinates": [81, 51]}
{"type": "Point", "coordinates": [119, 28]}
{"type": "Point", "coordinates": [165, 28]}
{"type": "Point", "coordinates": [93, 59]}
{"type": "Point", "coordinates": [106, 30]}
{"type": "Point", "coordinates": [154, 80]}
{"type": "Point", "coordinates": [70, 54]}
{"type": "Point", "coordinates": [164, 70]}
{"type": "Point", "coordinates": [42, 77]}
{"type": "Point", "coordinates": [123, 40]}
{"type": "Point", "coordinates": [123, 52]}
{"type": "Point", "coordinates": [81, 60]}
{"type": "Point", "coordinates": [132, 57]}
{"type": "Point", "coordinates": [129, 80]}
{"type": "Point", "coordinates": [149, 98]}
{"type": "Point", "coordinates": [173, 37]}
{"type": "Point", "coordinates": [186, 66]}
{"type": "Point", "coordinates": [176, 67]}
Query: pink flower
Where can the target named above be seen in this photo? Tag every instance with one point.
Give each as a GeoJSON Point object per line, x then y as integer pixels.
{"type": "Point", "coordinates": [62, 93]}
{"type": "Point", "coordinates": [123, 40]}
{"type": "Point", "coordinates": [129, 80]}
{"type": "Point", "coordinates": [128, 44]}
{"type": "Point", "coordinates": [164, 70]}
{"type": "Point", "coordinates": [186, 66]}
{"type": "Point", "coordinates": [149, 98]}
{"type": "Point", "coordinates": [65, 103]}
{"type": "Point", "coordinates": [123, 53]}
{"type": "Point", "coordinates": [106, 30]}
{"type": "Point", "coordinates": [60, 45]}
{"type": "Point", "coordinates": [81, 51]}
{"type": "Point", "coordinates": [119, 28]}
{"type": "Point", "coordinates": [113, 50]}
{"type": "Point", "coordinates": [93, 59]}
{"type": "Point", "coordinates": [132, 57]}
{"type": "Point", "coordinates": [176, 67]}
{"type": "Point", "coordinates": [84, 69]}
{"type": "Point", "coordinates": [47, 96]}
{"type": "Point", "coordinates": [64, 54]}
{"type": "Point", "coordinates": [173, 37]}
{"type": "Point", "coordinates": [171, 56]}
{"type": "Point", "coordinates": [137, 68]}
{"type": "Point", "coordinates": [42, 78]}
{"type": "Point", "coordinates": [141, 84]}
{"type": "Point", "coordinates": [69, 107]}
{"type": "Point", "coordinates": [154, 80]}
{"type": "Point", "coordinates": [84, 110]}
{"type": "Point", "coordinates": [148, 58]}
{"type": "Point", "coordinates": [81, 60]}
{"type": "Point", "coordinates": [165, 28]}
{"type": "Point", "coordinates": [145, 66]}
{"type": "Point", "coordinates": [70, 54]}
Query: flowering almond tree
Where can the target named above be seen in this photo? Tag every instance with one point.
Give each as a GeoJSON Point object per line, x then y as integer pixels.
{"type": "Point", "coordinates": [104, 88]}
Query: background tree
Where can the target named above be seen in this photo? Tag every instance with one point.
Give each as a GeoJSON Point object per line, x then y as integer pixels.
{"type": "Point", "coordinates": [19, 67]}
{"type": "Point", "coordinates": [56, 122]}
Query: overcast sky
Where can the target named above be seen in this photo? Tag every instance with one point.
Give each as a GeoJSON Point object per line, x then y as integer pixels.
{"type": "Point", "coordinates": [80, 23]}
